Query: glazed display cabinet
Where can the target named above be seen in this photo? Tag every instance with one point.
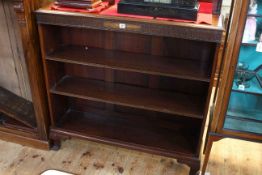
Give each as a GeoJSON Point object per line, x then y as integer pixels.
{"type": "Point", "coordinates": [238, 109]}
{"type": "Point", "coordinates": [244, 112]}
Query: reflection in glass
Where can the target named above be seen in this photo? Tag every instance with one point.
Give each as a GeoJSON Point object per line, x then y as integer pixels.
{"type": "Point", "coordinates": [253, 7]}
{"type": "Point", "coordinates": [250, 30]}
{"type": "Point", "coordinates": [243, 75]}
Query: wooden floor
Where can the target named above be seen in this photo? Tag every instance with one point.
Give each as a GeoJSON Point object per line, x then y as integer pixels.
{"type": "Point", "coordinates": [228, 157]}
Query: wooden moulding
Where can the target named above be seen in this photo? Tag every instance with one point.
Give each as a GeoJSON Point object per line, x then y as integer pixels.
{"type": "Point", "coordinates": [209, 33]}
{"type": "Point", "coordinates": [24, 140]}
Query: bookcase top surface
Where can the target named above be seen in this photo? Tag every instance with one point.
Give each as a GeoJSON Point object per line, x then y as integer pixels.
{"type": "Point", "coordinates": [192, 31]}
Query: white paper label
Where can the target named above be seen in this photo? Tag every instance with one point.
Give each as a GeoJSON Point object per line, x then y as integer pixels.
{"type": "Point", "coordinates": [122, 26]}
{"type": "Point", "coordinates": [241, 87]}
{"type": "Point", "coordinates": [259, 47]}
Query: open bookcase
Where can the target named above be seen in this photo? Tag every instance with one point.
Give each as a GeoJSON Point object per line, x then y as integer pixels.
{"type": "Point", "coordinates": [144, 86]}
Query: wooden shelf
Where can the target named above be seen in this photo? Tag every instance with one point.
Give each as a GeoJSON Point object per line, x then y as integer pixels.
{"type": "Point", "coordinates": [131, 96]}
{"type": "Point", "coordinates": [135, 132]}
{"type": "Point", "coordinates": [254, 15]}
{"type": "Point", "coordinates": [242, 117]}
{"type": "Point", "coordinates": [254, 44]}
{"type": "Point", "coordinates": [241, 125]}
{"type": "Point", "coordinates": [254, 88]}
{"type": "Point", "coordinates": [127, 61]}
{"type": "Point", "coordinates": [253, 115]}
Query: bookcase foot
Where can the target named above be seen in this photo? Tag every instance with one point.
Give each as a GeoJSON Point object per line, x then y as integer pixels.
{"type": "Point", "coordinates": [211, 138]}
{"type": "Point", "coordinates": [55, 145]}
{"type": "Point", "coordinates": [193, 164]}
{"type": "Point", "coordinates": [194, 170]}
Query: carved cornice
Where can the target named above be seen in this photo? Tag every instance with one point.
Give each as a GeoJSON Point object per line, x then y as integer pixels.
{"type": "Point", "coordinates": [18, 6]}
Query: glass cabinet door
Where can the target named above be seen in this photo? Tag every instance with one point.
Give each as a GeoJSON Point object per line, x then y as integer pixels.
{"type": "Point", "coordinates": [244, 113]}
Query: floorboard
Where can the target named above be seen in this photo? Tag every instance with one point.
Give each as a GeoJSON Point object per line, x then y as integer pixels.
{"type": "Point", "coordinates": [228, 157]}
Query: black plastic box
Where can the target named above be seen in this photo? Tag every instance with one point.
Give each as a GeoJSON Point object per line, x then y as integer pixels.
{"type": "Point", "coordinates": [182, 11]}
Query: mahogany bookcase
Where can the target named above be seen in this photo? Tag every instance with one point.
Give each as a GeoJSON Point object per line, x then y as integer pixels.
{"type": "Point", "coordinates": [136, 83]}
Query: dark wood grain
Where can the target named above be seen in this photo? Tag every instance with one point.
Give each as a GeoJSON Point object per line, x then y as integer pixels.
{"type": "Point", "coordinates": [143, 98]}
{"type": "Point", "coordinates": [17, 108]}
{"type": "Point", "coordinates": [209, 33]}
{"type": "Point", "coordinates": [179, 136]}
{"type": "Point", "coordinates": [128, 61]}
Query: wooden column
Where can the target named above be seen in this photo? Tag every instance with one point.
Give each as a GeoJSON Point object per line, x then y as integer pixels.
{"type": "Point", "coordinates": [24, 11]}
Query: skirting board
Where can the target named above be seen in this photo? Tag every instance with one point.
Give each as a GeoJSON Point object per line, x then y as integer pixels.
{"type": "Point", "coordinates": [39, 144]}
